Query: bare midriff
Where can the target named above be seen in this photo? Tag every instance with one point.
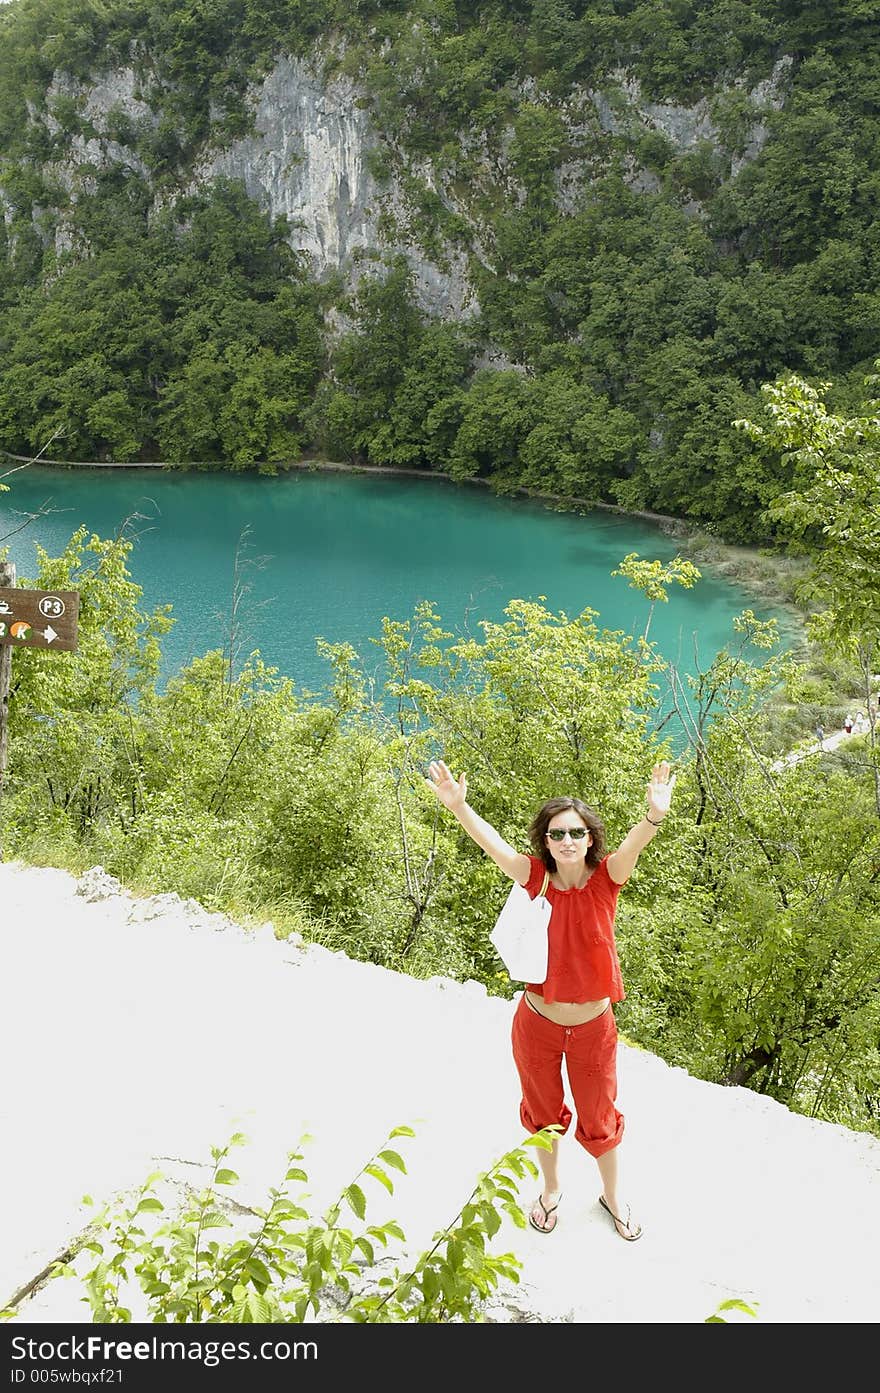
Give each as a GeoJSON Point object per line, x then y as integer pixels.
{"type": "Point", "coordinates": [567, 1012]}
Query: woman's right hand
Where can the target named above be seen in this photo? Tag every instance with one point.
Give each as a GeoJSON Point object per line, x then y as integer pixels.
{"type": "Point", "coordinates": [451, 792]}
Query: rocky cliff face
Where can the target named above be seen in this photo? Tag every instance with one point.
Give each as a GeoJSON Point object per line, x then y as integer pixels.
{"type": "Point", "coordinates": [308, 157]}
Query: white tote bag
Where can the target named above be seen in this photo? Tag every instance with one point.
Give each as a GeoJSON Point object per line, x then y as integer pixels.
{"type": "Point", "coordinates": [520, 933]}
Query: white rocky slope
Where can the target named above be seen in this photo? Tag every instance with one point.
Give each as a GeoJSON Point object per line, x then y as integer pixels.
{"type": "Point", "coordinates": [136, 1033]}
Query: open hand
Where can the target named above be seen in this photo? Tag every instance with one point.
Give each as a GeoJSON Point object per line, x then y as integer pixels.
{"type": "Point", "coordinates": [451, 792]}
{"type": "Point", "coordinates": [659, 790]}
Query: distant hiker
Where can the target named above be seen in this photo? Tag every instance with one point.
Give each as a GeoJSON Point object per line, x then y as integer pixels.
{"type": "Point", "coordinates": [820, 734]}
{"type": "Point", "coordinates": [848, 725]}
{"type": "Point", "coordinates": [569, 1016]}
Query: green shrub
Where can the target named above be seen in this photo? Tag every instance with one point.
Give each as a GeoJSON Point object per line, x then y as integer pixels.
{"type": "Point", "coordinates": [278, 1262]}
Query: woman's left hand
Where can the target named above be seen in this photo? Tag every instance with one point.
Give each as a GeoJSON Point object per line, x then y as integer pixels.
{"type": "Point", "coordinates": [659, 790]}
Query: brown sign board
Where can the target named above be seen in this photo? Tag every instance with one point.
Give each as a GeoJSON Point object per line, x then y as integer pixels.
{"type": "Point", "coordinates": [38, 618]}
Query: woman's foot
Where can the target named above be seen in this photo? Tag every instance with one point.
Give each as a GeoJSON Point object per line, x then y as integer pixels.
{"type": "Point", "coordinates": [543, 1216]}
{"type": "Point", "coordinates": [622, 1220]}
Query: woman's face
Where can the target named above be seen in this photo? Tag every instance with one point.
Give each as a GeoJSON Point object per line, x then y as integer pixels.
{"type": "Point", "coordinates": [573, 845]}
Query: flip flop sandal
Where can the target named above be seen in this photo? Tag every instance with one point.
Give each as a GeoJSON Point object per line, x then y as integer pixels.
{"type": "Point", "coordinates": [542, 1228]}
{"type": "Point", "coordinates": [628, 1238]}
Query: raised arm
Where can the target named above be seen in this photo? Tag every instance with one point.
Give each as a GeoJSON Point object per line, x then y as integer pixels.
{"type": "Point", "coordinates": [453, 795]}
{"type": "Point", "coordinates": [658, 796]}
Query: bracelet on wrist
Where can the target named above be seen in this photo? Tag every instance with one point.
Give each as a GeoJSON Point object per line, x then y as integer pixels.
{"type": "Point", "coordinates": [652, 822]}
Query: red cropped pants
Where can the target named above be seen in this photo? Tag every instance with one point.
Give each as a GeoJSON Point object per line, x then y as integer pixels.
{"type": "Point", "coordinates": [590, 1054]}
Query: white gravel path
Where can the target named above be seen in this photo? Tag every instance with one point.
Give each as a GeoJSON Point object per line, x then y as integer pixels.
{"type": "Point", "coordinates": [133, 1031]}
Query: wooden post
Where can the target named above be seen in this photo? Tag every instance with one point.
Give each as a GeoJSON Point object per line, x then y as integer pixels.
{"type": "Point", "coordinates": [7, 579]}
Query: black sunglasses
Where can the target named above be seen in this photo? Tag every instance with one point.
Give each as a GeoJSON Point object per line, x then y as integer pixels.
{"type": "Point", "coordinates": [577, 834]}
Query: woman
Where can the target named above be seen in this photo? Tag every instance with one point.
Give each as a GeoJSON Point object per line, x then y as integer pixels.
{"type": "Point", "coordinates": [570, 1014]}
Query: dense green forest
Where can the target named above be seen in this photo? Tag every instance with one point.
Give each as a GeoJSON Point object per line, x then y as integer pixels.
{"type": "Point", "coordinates": [619, 330]}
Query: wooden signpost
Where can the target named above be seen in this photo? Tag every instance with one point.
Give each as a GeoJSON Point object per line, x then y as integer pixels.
{"type": "Point", "coordinates": [30, 619]}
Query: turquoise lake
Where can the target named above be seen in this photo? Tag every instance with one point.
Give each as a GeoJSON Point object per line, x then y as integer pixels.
{"type": "Point", "coordinates": [336, 552]}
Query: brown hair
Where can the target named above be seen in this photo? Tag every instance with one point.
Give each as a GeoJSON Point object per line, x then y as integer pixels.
{"type": "Point", "coordinates": [589, 816]}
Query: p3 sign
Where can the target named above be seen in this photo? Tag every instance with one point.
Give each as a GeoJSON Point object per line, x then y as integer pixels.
{"type": "Point", "coordinates": [39, 618]}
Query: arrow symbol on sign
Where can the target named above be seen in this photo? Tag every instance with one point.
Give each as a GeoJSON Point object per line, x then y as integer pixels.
{"type": "Point", "coordinates": [49, 633]}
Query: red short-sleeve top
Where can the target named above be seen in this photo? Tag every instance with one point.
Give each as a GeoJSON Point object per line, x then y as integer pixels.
{"type": "Point", "coordinates": [582, 960]}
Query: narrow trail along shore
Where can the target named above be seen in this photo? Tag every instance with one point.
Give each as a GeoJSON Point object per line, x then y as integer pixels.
{"type": "Point", "coordinates": [137, 1033]}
